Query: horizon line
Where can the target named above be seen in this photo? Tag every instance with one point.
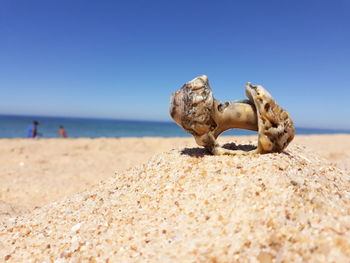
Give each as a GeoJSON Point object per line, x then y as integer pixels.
{"type": "Point", "coordinates": [144, 120]}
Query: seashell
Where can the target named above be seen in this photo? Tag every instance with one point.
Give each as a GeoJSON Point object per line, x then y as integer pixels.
{"type": "Point", "coordinates": [194, 108]}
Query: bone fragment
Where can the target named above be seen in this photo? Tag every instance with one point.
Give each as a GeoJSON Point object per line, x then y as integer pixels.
{"type": "Point", "coordinates": [194, 108]}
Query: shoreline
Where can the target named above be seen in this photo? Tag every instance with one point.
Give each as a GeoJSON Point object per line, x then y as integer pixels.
{"type": "Point", "coordinates": [172, 137]}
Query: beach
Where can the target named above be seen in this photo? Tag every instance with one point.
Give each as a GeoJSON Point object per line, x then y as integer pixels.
{"type": "Point", "coordinates": [152, 198]}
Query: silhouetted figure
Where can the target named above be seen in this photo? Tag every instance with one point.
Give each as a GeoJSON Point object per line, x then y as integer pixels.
{"type": "Point", "coordinates": [32, 130]}
{"type": "Point", "coordinates": [62, 132]}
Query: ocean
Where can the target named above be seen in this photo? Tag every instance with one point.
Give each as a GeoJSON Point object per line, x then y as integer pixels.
{"type": "Point", "coordinates": [12, 126]}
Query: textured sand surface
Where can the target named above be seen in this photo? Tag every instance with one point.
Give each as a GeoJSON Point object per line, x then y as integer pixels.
{"type": "Point", "coordinates": [36, 172]}
{"type": "Point", "coordinates": [335, 148]}
{"type": "Point", "coordinates": [182, 205]}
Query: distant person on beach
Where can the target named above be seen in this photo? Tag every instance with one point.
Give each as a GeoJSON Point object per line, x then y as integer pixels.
{"type": "Point", "coordinates": [62, 132]}
{"type": "Point", "coordinates": [32, 130]}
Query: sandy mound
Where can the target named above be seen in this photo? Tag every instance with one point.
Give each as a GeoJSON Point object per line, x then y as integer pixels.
{"type": "Point", "coordinates": [38, 172]}
{"type": "Point", "coordinates": [187, 206]}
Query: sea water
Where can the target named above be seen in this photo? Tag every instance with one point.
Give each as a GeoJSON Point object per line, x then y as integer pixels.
{"type": "Point", "coordinates": [16, 127]}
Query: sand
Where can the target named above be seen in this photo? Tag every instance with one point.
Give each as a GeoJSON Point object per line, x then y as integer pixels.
{"type": "Point", "coordinates": [182, 205]}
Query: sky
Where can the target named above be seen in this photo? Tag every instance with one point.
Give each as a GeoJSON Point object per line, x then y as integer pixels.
{"type": "Point", "coordinates": [124, 59]}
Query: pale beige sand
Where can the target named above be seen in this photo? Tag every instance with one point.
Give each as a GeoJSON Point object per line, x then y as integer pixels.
{"type": "Point", "coordinates": [37, 172]}
{"type": "Point", "coordinates": [335, 148]}
{"type": "Point", "coordinates": [180, 206]}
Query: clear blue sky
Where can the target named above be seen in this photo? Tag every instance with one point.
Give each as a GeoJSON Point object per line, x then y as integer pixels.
{"type": "Point", "coordinates": [123, 59]}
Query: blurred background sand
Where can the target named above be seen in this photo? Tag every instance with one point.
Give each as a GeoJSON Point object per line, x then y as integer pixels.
{"type": "Point", "coordinates": [35, 172]}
